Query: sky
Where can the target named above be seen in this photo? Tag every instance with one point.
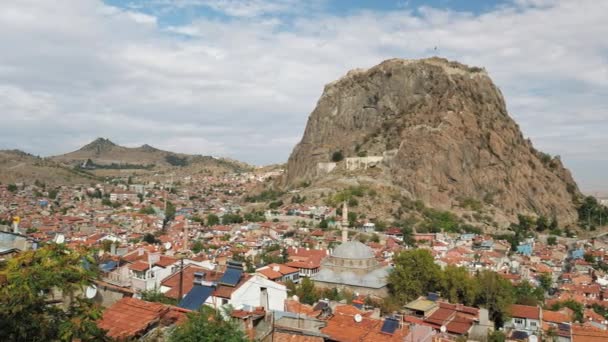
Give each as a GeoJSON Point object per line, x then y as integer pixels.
{"type": "Point", "coordinates": [238, 78]}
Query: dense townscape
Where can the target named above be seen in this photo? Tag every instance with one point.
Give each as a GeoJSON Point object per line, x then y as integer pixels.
{"type": "Point", "coordinates": [158, 251]}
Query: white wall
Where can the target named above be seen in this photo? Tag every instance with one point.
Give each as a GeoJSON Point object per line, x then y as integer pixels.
{"type": "Point", "coordinates": [250, 294]}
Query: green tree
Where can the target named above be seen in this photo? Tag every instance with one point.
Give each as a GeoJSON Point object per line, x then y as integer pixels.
{"type": "Point", "coordinates": [542, 223]}
{"type": "Point", "coordinates": [207, 325]}
{"type": "Point", "coordinates": [53, 194]}
{"type": "Point", "coordinates": [496, 336]}
{"type": "Point", "coordinates": [213, 220]}
{"type": "Point", "coordinates": [526, 294]}
{"type": "Point", "coordinates": [306, 291]}
{"type": "Point", "coordinates": [169, 212]}
{"type": "Point", "coordinates": [458, 286]}
{"type": "Point", "coordinates": [12, 188]}
{"type": "Point", "coordinates": [545, 281]}
{"type": "Point", "coordinates": [147, 210]}
{"type": "Point", "coordinates": [197, 246]}
{"type": "Point", "coordinates": [415, 273]}
{"type": "Point", "coordinates": [157, 296]}
{"type": "Point", "coordinates": [337, 156]}
{"type": "Point", "coordinates": [552, 241]}
{"type": "Point", "coordinates": [150, 238]}
{"type": "Point", "coordinates": [28, 313]}
{"type": "Point", "coordinates": [496, 295]}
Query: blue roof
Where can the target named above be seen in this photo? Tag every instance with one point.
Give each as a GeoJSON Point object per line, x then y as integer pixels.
{"type": "Point", "coordinates": [231, 277]}
{"type": "Point", "coordinates": [108, 266]}
{"type": "Point", "coordinates": [196, 297]}
{"type": "Point", "coordinates": [390, 325]}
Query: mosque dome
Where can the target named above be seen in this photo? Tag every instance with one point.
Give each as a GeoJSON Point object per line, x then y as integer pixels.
{"type": "Point", "coordinates": [353, 250]}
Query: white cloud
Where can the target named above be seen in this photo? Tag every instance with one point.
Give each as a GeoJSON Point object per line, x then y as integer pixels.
{"type": "Point", "coordinates": [74, 70]}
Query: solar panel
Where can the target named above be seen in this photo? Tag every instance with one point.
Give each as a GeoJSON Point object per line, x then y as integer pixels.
{"type": "Point", "coordinates": [231, 277]}
{"type": "Point", "coordinates": [196, 297]}
{"type": "Point", "coordinates": [564, 327]}
{"type": "Point", "coordinates": [108, 266]}
{"type": "Point", "coordinates": [432, 296]}
{"type": "Point", "coordinates": [519, 335]}
{"type": "Point", "coordinates": [389, 326]}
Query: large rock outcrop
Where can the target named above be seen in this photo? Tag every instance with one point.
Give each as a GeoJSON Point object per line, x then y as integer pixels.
{"type": "Point", "coordinates": [441, 131]}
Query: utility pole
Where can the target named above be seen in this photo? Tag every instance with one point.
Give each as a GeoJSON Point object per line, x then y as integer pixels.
{"type": "Point", "coordinates": [181, 279]}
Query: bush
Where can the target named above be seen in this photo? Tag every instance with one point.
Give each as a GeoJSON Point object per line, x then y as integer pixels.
{"type": "Point", "coordinates": [337, 156]}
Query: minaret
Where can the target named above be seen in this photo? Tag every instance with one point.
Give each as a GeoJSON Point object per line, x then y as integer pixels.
{"type": "Point", "coordinates": [344, 222]}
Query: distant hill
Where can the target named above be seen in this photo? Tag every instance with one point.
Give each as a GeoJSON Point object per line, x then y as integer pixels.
{"type": "Point", "coordinates": [102, 158]}
{"type": "Point", "coordinates": [104, 154]}
{"type": "Point", "coordinates": [17, 166]}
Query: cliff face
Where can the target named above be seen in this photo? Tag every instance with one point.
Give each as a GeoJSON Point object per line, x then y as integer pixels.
{"type": "Point", "coordinates": [442, 132]}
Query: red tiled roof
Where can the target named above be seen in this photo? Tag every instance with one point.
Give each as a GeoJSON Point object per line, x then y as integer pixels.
{"type": "Point", "coordinates": [525, 311]}
{"type": "Point", "coordinates": [130, 317]}
{"type": "Point", "coordinates": [139, 266]}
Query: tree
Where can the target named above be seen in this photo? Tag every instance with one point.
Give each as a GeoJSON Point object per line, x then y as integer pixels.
{"type": "Point", "coordinates": [147, 210]}
{"type": "Point", "coordinates": [197, 246]}
{"type": "Point", "coordinates": [526, 294]}
{"type": "Point", "coordinates": [169, 212]}
{"type": "Point", "coordinates": [12, 188]}
{"type": "Point", "coordinates": [27, 311]}
{"type": "Point", "coordinates": [207, 325]}
{"type": "Point", "coordinates": [306, 291]}
{"type": "Point", "coordinates": [415, 273]}
{"type": "Point", "coordinates": [496, 295]}
{"type": "Point", "coordinates": [542, 223]}
{"type": "Point", "coordinates": [150, 238]}
{"type": "Point", "coordinates": [213, 220]}
{"type": "Point", "coordinates": [337, 156]}
{"type": "Point", "coordinates": [458, 286]}
{"type": "Point", "coordinates": [53, 194]}
{"type": "Point", "coordinates": [552, 241]}
{"type": "Point", "coordinates": [496, 336]}
{"type": "Point", "coordinates": [545, 281]}
{"type": "Point", "coordinates": [157, 296]}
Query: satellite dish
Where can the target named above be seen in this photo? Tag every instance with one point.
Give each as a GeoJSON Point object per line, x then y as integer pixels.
{"type": "Point", "coordinates": [443, 329]}
{"type": "Point", "coordinates": [91, 292]}
{"type": "Point", "coordinates": [167, 245]}
{"type": "Point", "coordinates": [296, 298]}
{"type": "Point", "coordinates": [358, 318]}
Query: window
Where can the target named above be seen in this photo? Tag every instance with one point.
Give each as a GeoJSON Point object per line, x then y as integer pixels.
{"type": "Point", "coordinates": [519, 321]}
{"type": "Point", "coordinates": [533, 324]}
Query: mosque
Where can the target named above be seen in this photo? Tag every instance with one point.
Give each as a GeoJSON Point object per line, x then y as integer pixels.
{"type": "Point", "coordinates": [353, 266]}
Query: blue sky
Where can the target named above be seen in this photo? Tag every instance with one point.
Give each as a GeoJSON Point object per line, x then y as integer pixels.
{"type": "Point", "coordinates": [238, 78]}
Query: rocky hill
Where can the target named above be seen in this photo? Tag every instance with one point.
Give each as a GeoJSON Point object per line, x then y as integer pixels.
{"type": "Point", "coordinates": [439, 132]}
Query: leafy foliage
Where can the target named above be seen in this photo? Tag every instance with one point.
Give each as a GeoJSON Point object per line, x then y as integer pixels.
{"type": "Point", "coordinates": [175, 160]}
{"type": "Point", "coordinates": [337, 156]}
{"type": "Point", "coordinates": [27, 312]}
{"type": "Point", "coordinates": [207, 325]}
{"type": "Point", "coordinates": [213, 220]}
{"type": "Point", "coordinates": [415, 273]}
{"type": "Point", "coordinates": [591, 213]}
